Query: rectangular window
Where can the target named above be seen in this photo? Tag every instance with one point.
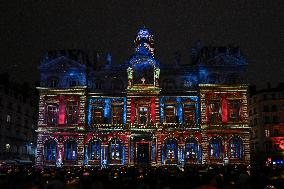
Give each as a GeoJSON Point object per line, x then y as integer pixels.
{"type": "Point", "coordinates": [275, 119]}
{"type": "Point", "coordinates": [72, 112]}
{"type": "Point", "coordinates": [267, 133]}
{"type": "Point", "coordinates": [266, 108]}
{"type": "Point", "coordinates": [214, 111]}
{"type": "Point", "coordinates": [255, 121]}
{"type": "Point", "coordinates": [143, 115]}
{"type": "Point", "coordinates": [266, 119]}
{"type": "Point", "coordinates": [274, 108]}
{"type": "Point", "coordinates": [189, 113]}
{"type": "Point", "coordinates": [234, 110]}
{"type": "Point", "coordinates": [52, 113]}
{"type": "Point", "coordinates": [9, 118]}
{"type": "Point", "coordinates": [170, 114]}
{"type": "Point", "coordinates": [117, 114]}
{"type": "Point", "coordinates": [98, 116]}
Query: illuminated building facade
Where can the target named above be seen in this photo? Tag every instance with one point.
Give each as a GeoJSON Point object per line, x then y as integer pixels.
{"type": "Point", "coordinates": [142, 112]}
{"type": "Point", "coordinates": [266, 117]}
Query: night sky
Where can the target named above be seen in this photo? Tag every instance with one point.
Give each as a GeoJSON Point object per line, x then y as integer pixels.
{"type": "Point", "coordinates": [31, 27]}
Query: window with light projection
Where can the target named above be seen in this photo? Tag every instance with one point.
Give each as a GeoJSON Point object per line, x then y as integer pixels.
{"type": "Point", "coordinates": [214, 112]}
{"type": "Point", "coordinates": [94, 150]}
{"type": "Point", "coordinates": [191, 149]}
{"type": "Point", "coordinates": [236, 148]}
{"type": "Point", "coordinates": [50, 150]}
{"type": "Point", "coordinates": [189, 113]}
{"type": "Point", "coordinates": [234, 107]}
{"type": "Point", "coordinates": [70, 150]}
{"type": "Point", "coordinates": [171, 149]}
{"type": "Point", "coordinates": [170, 113]}
{"type": "Point", "coordinates": [72, 112]}
{"type": "Point", "coordinates": [98, 115]}
{"type": "Point", "coordinates": [115, 149]}
{"type": "Point", "coordinates": [117, 114]}
{"type": "Point", "coordinates": [52, 114]}
{"type": "Point", "coordinates": [143, 115]}
{"type": "Point", "coordinates": [215, 148]}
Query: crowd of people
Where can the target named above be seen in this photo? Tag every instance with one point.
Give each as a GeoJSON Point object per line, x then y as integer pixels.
{"type": "Point", "coordinates": [142, 177]}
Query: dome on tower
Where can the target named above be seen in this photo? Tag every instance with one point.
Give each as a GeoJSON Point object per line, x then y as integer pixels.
{"type": "Point", "coordinates": [144, 43]}
{"type": "Point", "coordinates": [142, 63]}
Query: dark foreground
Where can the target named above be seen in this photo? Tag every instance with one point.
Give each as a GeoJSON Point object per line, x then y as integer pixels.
{"type": "Point", "coordinates": [225, 177]}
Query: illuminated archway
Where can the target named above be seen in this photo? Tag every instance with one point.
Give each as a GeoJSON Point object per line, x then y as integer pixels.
{"type": "Point", "coordinates": [236, 147]}
{"type": "Point", "coordinates": [215, 148]}
{"type": "Point", "coordinates": [70, 151]}
{"type": "Point", "coordinates": [50, 150]}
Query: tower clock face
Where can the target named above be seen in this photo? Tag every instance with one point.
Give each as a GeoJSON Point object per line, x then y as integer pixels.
{"type": "Point", "coordinates": [143, 72]}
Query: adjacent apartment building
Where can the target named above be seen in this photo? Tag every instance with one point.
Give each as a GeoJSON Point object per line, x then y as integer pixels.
{"type": "Point", "coordinates": [266, 117]}
{"type": "Point", "coordinates": [18, 120]}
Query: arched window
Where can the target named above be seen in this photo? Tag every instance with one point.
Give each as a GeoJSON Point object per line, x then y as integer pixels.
{"type": "Point", "coordinates": [115, 149]}
{"type": "Point", "coordinates": [50, 150]}
{"type": "Point", "coordinates": [171, 149]}
{"type": "Point", "coordinates": [70, 150]}
{"type": "Point", "coordinates": [94, 149]}
{"type": "Point", "coordinates": [236, 147]}
{"type": "Point", "coordinates": [191, 149]}
{"type": "Point", "coordinates": [215, 148]}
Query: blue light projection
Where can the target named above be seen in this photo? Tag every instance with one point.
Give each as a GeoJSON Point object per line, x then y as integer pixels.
{"type": "Point", "coordinates": [162, 107]}
{"type": "Point", "coordinates": [163, 154]}
{"type": "Point", "coordinates": [203, 75]}
{"type": "Point", "coordinates": [179, 109]}
{"type": "Point", "coordinates": [123, 155]}
{"type": "Point", "coordinates": [107, 109]}
{"type": "Point", "coordinates": [154, 150]}
{"type": "Point", "coordinates": [86, 159]}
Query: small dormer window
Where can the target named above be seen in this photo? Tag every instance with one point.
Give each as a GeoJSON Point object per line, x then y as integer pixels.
{"type": "Point", "coordinates": [53, 82]}
{"type": "Point", "coordinates": [72, 83]}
